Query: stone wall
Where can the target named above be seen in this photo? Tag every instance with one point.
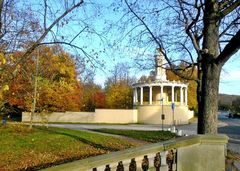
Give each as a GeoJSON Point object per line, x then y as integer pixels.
{"type": "Point", "coordinates": [143, 114]}
{"type": "Point", "coordinates": [114, 116]}
{"type": "Point", "coordinates": [152, 114]}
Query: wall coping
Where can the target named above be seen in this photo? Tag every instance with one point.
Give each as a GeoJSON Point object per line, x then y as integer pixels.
{"type": "Point", "coordinates": [128, 154]}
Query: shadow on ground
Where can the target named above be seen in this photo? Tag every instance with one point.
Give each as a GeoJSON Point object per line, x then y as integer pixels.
{"type": "Point", "coordinates": [78, 138]}
{"type": "Point", "coordinates": [231, 131]}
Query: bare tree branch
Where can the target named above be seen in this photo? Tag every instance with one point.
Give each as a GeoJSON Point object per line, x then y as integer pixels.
{"type": "Point", "coordinates": [25, 56]}
{"type": "Point", "coordinates": [91, 59]}
{"type": "Point", "coordinates": [145, 25]}
{"type": "Point", "coordinates": [160, 45]}
{"type": "Point", "coordinates": [45, 15]}
{"type": "Point", "coordinates": [77, 34]}
{"type": "Point", "coordinates": [231, 48]}
{"type": "Point", "coordinates": [229, 26]}
{"type": "Point", "coordinates": [228, 8]}
{"type": "Point", "coordinates": [188, 26]}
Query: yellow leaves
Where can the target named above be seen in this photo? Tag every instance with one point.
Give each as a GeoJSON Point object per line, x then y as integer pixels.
{"type": "Point", "coordinates": [119, 95]}
{"type": "Point", "coordinates": [11, 57]}
{"type": "Point", "coordinates": [5, 88]}
{"type": "Point", "coordinates": [16, 70]}
{"type": "Point", "coordinates": [58, 88]}
{"type": "Point", "coordinates": [62, 71]}
{"type": "Point", "coordinates": [66, 85]}
{"type": "Point", "coordinates": [2, 59]}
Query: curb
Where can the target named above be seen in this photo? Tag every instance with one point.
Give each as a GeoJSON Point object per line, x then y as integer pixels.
{"type": "Point", "coordinates": [234, 141]}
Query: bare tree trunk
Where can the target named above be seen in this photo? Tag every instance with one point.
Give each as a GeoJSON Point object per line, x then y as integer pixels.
{"type": "Point", "coordinates": [209, 99]}
{"type": "Point", "coordinates": [199, 95]}
{"type": "Point", "coordinates": [210, 70]}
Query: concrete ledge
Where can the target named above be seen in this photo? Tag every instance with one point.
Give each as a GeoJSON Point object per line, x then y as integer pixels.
{"type": "Point", "coordinates": [128, 154]}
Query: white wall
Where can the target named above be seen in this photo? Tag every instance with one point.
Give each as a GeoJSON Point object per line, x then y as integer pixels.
{"type": "Point", "coordinates": [99, 116]}
{"type": "Point", "coordinates": [143, 114]}
{"type": "Point", "coordinates": [152, 114]}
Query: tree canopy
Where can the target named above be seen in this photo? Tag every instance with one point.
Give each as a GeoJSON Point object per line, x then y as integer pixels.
{"type": "Point", "coordinates": [119, 88]}
{"type": "Point", "coordinates": [58, 88]}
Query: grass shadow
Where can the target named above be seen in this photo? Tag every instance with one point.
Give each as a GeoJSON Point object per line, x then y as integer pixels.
{"type": "Point", "coordinates": [84, 140]}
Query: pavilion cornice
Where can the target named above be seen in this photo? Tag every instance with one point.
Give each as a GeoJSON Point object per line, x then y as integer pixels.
{"type": "Point", "coordinates": [164, 83]}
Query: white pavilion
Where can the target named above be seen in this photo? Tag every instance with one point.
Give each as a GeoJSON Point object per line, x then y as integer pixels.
{"type": "Point", "coordinates": [161, 96]}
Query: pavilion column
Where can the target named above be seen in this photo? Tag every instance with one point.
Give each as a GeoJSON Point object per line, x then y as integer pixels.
{"type": "Point", "coordinates": [141, 96]}
{"type": "Point", "coordinates": [161, 95]}
{"type": "Point", "coordinates": [172, 94]}
{"type": "Point", "coordinates": [134, 96]}
{"type": "Point", "coordinates": [150, 95]}
{"type": "Point", "coordinates": [181, 95]}
{"type": "Point", "coordinates": [186, 98]}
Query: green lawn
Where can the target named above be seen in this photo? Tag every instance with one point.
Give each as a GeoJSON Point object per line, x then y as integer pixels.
{"type": "Point", "coordinates": [150, 136]}
{"type": "Point", "coordinates": [24, 149]}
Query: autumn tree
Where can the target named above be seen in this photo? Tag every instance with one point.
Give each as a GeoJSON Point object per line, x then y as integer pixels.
{"type": "Point", "coordinates": [23, 26]}
{"type": "Point", "coordinates": [203, 34]}
{"type": "Point", "coordinates": [58, 88]}
{"type": "Point", "coordinates": [100, 99]}
{"type": "Point", "coordinates": [26, 25]}
{"type": "Point", "coordinates": [119, 88]}
{"type": "Point", "coordinates": [93, 96]}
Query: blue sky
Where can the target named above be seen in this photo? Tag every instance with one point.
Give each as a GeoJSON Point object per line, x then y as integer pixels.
{"type": "Point", "coordinates": [229, 80]}
{"type": "Point", "coordinates": [230, 76]}
{"type": "Point", "coordinates": [124, 52]}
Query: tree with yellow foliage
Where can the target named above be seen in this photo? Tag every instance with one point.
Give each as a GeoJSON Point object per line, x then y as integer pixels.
{"type": "Point", "coordinates": [119, 88]}
{"type": "Point", "coordinates": [58, 88]}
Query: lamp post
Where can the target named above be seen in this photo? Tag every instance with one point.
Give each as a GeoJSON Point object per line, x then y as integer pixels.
{"type": "Point", "coordinates": [162, 115]}
{"type": "Point", "coordinates": [173, 120]}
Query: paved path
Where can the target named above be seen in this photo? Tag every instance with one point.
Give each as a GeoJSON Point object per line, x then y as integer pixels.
{"type": "Point", "coordinates": [232, 129]}
{"type": "Point", "coordinates": [228, 126]}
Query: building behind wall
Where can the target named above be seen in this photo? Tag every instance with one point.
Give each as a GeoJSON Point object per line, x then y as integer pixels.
{"type": "Point", "coordinates": [159, 96]}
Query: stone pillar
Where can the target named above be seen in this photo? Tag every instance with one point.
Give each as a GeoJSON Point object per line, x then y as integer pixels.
{"type": "Point", "coordinates": [181, 95]}
{"type": "Point", "coordinates": [172, 94]}
{"type": "Point", "coordinates": [136, 95]}
{"type": "Point", "coordinates": [186, 98]}
{"type": "Point", "coordinates": [150, 95]}
{"type": "Point", "coordinates": [141, 96]}
{"type": "Point", "coordinates": [161, 95]}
